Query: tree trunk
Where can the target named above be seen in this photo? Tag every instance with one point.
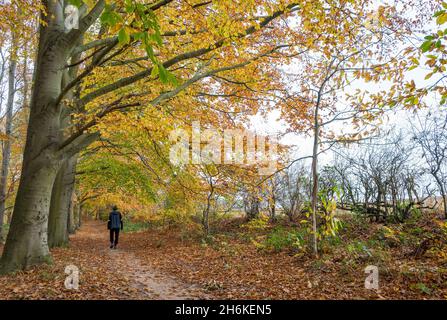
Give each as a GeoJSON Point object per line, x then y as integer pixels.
{"type": "Point", "coordinates": [26, 243]}
{"type": "Point", "coordinates": [79, 209]}
{"type": "Point", "coordinates": [57, 218]}
{"type": "Point", "coordinates": [444, 202]}
{"type": "Point", "coordinates": [61, 197]}
{"type": "Point", "coordinates": [8, 128]}
{"type": "Point", "coordinates": [72, 220]}
{"type": "Point", "coordinates": [206, 213]}
{"type": "Point", "coordinates": [75, 214]}
{"type": "Point", "coordinates": [252, 207]}
{"type": "Point", "coordinates": [442, 191]}
{"type": "Point", "coordinates": [58, 223]}
{"type": "Point", "coordinates": [206, 222]}
{"type": "Point", "coordinates": [314, 197]}
{"type": "Point", "coordinates": [273, 209]}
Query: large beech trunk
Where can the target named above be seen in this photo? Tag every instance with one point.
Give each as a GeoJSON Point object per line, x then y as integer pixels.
{"type": "Point", "coordinates": [61, 198]}
{"type": "Point", "coordinates": [26, 243]}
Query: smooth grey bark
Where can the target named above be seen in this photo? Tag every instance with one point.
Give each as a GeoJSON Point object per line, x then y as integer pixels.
{"type": "Point", "coordinates": [76, 213]}
{"type": "Point", "coordinates": [72, 219]}
{"type": "Point", "coordinates": [61, 202]}
{"type": "Point", "coordinates": [63, 188]}
{"type": "Point", "coordinates": [6, 157]}
{"type": "Point", "coordinates": [58, 217]}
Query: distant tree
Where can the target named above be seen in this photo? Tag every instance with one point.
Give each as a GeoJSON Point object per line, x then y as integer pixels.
{"type": "Point", "coordinates": [432, 139]}
{"type": "Point", "coordinates": [294, 190]}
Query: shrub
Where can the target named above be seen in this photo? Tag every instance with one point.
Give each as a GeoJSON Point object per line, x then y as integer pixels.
{"type": "Point", "coordinates": [389, 236]}
{"type": "Point", "coordinates": [421, 287]}
{"type": "Point", "coordinates": [358, 249]}
{"type": "Point", "coordinates": [259, 223]}
{"type": "Point", "coordinates": [135, 226]}
{"type": "Point", "coordinates": [280, 239]}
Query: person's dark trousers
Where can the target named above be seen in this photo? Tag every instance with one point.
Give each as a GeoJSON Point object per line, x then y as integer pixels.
{"type": "Point", "coordinates": [114, 235]}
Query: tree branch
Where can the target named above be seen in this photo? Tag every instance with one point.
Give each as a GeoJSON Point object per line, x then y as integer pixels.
{"type": "Point", "coordinates": [181, 57]}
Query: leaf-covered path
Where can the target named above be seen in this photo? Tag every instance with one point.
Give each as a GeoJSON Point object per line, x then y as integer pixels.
{"type": "Point", "coordinates": [104, 273]}
{"type": "Point", "coordinates": [144, 281]}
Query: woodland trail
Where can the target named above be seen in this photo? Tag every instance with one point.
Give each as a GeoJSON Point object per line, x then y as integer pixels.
{"type": "Point", "coordinates": [145, 281]}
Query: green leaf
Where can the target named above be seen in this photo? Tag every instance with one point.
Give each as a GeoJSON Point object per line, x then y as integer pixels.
{"type": "Point", "coordinates": [423, 288]}
{"type": "Point", "coordinates": [76, 3]}
{"type": "Point", "coordinates": [172, 79]}
{"type": "Point", "coordinates": [426, 46]}
{"type": "Point", "coordinates": [110, 17]}
{"type": "Point", "coordinates": [442, 18]}
{"type": "Point", "coordinates": [428, 76]}
{"type": "Point", "coordinates": [156, 37]}
{"type": "Point", "coordinates": [139, 36]}
{"type": "Point", "coordinates": [415, 100]}
{"type": "Point", "coordinates": [130, 6]}
{"type": "Point", "coordinates": [438, 13]}
{"type": "Point", "coordinates": [154, 72]}
{"type": "Point", "coordinates": [163, 73]}
{"type": "Point", "coordinates": [123, 36]}
{"type": "Point", "coordinates": [150, 52]}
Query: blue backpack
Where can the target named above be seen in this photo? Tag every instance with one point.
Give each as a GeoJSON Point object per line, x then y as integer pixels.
{"type": "Point", "coordinates": [114, 220]}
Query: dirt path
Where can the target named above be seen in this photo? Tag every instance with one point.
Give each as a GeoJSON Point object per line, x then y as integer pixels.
{"type": "Point", "coordinates": [147, 281]}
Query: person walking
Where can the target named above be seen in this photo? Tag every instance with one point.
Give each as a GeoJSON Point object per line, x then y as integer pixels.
{"type": "Point", "coordinates": [114, 224]}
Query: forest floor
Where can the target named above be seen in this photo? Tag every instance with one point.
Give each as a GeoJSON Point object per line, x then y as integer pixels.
{"type": "Point", "coordinates": [104, 273]}
{"type": "Point", "coordinates": [170, 263]}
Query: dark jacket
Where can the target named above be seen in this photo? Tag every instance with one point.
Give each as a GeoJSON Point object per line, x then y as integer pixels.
{"type": "Point", "coordinates": [115, 220]}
